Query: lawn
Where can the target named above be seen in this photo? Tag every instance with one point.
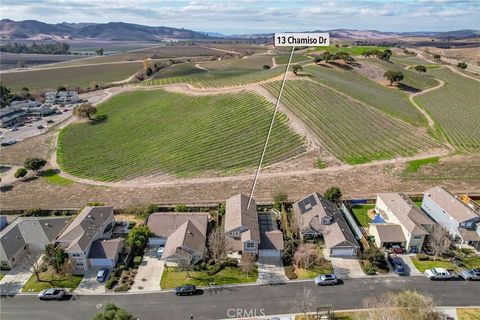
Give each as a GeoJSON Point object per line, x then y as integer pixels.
{"type": "Point", "coordinates": [314, 271]}
{"type": "Point", "coordinates": [70, 77]}
{"type": "Point", "coordinates": [471, 262]}
{"type": "Point", "coordinates": [468, 313]}
{"type": "Point", "coordinates": [353, 50]}
{"type": "Point", "coordinates": [361, 213]}
{"type": "Point", "coordinates": [32, 285]}
{"type": "Point", "coordinates": [415, 165]}
{"type": "Point", "coordinates": [228, 275]}
{"type": "Point", "coordinates": [154, 131]}
{"type": "Point", "coordinates": [430, 264]}
{"type": "Point", "coordinates": [52, 177]}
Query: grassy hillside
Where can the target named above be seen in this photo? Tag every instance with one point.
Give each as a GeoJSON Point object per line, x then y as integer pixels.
{"type": "Point", "coordinates": [391, 101]}
{"type": "Point", "coordinates": [70, 76]}
{"type": "Point", "coordinates": [455, 108]}
{"type": "Point", "coordinates": [155, 131]}
{"type": "Point", "coordinates": [218, 73]}
{"type": "Point", "coordinates": [353, 132]}
{"type": "Point", "coordinates": [283, 58]}
{"type": "Point", "coordinates": [353, 50]}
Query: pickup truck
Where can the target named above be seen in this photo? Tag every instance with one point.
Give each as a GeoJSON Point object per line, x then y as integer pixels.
{"type": "Point", "coordinates": [439, 274]}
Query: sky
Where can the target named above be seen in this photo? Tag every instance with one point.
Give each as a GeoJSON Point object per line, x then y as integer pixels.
{"type": "Point", "coordinates": [256, 16]}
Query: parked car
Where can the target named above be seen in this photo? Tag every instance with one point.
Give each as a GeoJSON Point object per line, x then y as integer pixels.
{"type": "Point", "coordinates": [397, 249]}
{"type": "Point", "coordinates": [399, 268]}
{"type": "Point", "coordinates": [14, 129]}
{"type": "Point", "coordinates": [40, 127]}
{"type": "Point", "coordinates": [326, 279]}
{"type": "Point", "coordinates": [65, 110]}
{"type": "Point", "coordinates": [160, 252]}
{"type": "Point", "coordinates": [102, 275]}
{"type": "Point", "coordinates": [473, 274]}
{"type": "Point", "coordinates": [439, 274]}
{"type": "Point", "coordinates": [186, 290]}
{"type": "Point", "coordinates": [8, 142]}
{"type": "Point", "coordinates": [50, 121]}
{"type": "Point", "coordinates": [51, 294]}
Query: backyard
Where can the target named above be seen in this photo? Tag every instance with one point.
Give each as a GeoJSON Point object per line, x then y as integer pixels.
{"type": "Point", "coordinates": [361, 213]}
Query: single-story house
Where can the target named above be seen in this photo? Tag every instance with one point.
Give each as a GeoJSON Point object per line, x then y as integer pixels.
{"type": "Point", "coordinates": [402, 223]}
{"type": "Point", "coordinates": [91, 224]}
{"type": "Point", "coordinates": [28, 233]}
{"type": "Point", "coordinates": [241, 225]}
{"type": "Point", "coordinates": [461, 221]}
{"type": "Point", "coordinates": [183, 234]}
{"type": "Point", "coordinates": [319, 217]}
{"type": "Point", "coordinates": [105, 252]}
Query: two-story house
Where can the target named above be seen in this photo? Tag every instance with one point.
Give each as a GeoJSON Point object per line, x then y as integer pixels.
{"type": "Point", "coordinates": [461, 221]}
{"type": "Point", "coordinates": [241, 225]}
{"type": "Point", "coordinates": [402, 223]}
{"type": "Point", "coordinates": [90, 225]}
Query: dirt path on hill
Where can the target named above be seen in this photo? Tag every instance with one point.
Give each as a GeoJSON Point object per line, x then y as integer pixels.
{"type": "Point", "coordinates": [202, 68]}
{"type": "Point", "coordinates": [221, 50]}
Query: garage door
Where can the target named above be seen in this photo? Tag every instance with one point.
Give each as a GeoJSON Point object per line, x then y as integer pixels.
{"type": "Point", "coordinates": [101, 263]}
{"type": "Point", "coordinates": [269, 253]}
{"type": "Point", "coordinates": [156, 242]}
{"type": "Point", "coordinates": [342, 252]}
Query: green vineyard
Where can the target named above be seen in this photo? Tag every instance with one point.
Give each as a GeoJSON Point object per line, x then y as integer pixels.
{"type": "Point", "coordinates": [353, 132]}
{"type": "Point", "coordinates": [455, 108]}
{"type": "Point", "coordinates": [149, 132]}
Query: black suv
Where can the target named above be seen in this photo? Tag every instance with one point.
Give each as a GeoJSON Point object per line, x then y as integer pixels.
{"type": "Point", "coordinates": [186, 290]}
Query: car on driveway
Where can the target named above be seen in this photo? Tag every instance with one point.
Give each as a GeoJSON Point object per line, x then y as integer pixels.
{"type": "Point", "coordinates": [326, 279]}
{"type": "Point", "coordinates": [439, 274]}
{"type": "Point", "coordinates": [40, 127]}
{"type": "Point", "coordinates": [50, 121]}
{"type": "Point", "coordinates": [52, 294]}
{"type": "Point", "coordinates": [397, 249]}
{"type": "Point", "coordinates": [186, 290]}
{"type": "Point", "coordinates": [473, 274]}
{"type": "Point", "coordinates": [160, 252]}
{"type": "Point", "coordinates": [8, 142]}
{"type": "Point", "coordinates": [102, 275]}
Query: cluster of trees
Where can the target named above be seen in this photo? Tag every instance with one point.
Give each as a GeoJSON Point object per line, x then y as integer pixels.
{"type": "Point", "coordinates": [394, 76]}
{"type": "Point", "coordinates": [99, 52]}
{"type": "Point", "coordinates": [148, 70]}
{"type": "Point", "coordinates": [462, 65]}
{"type": "Point", "coordinates": [328, 56]}
{"type": "Point", "coordinates": [85, 110]}
{"type": "Point", "coordinates": [42, 48]}
{"type": "Point", "coordinates": [6, 95]}
{"type": "Point", "coordinates": [113, 312]}
{"type": "Point", "coordinates": [30, 164]}
{"type": "Point", "coordinates": [384, 55]}
{"type": "Point", "coordinates": [421, 68]}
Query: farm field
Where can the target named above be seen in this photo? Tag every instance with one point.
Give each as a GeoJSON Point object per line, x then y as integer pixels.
{"type": "Point", "coordinates": [70, 76]}
{"type": "Point", "coordinates": [283, 58]}
{"type": "Point", "coordinates": [353, 132]}
{"type": "Point", "coordinates": [21, 60]}
{"type": "Point", "coordinates": [217, 73]}
{"type": "Point", "coordinates": [151, 132]}
{"type": "Point", "coordinates": [353, 50]}
{"type": "Point", "coordinates": [388, 100]}
{"type": "Point", "coordinates": [455, 108]}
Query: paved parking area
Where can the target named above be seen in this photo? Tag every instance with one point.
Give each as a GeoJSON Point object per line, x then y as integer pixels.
{"type": "Point", "coordinates": [149, 273]}
{"type": "Point", "coordinates": [89, 283]}
{"type": "Point", "coordinates": [410, 269]}
{"type": "Point", "coordinates": [270, 270]}
{"type": "Point", "coordinates": [14, 280]}
{"type": "Point", "coordinates": [345, 267]}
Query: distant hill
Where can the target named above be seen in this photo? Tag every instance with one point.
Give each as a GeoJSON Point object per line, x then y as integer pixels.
{"type": "Point", "coordinates": [36, 30]}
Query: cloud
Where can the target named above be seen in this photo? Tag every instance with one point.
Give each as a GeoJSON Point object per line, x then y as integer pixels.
{"type": "Point", "coordinates": [257, 15]}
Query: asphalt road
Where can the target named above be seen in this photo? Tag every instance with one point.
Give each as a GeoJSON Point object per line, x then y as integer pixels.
{"type": "Point", "coordinates": [249, 300]}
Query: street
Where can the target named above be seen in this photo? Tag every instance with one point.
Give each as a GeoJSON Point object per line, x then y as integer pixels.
{"type": "Point", "coordinates": [245, 301]}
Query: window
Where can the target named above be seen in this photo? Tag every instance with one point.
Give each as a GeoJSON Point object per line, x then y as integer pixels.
{"type": "Point", "coordinates": [417, 237]}
{"type": "Point", "coordinates": [76, 254]}
{"type": "Point", "coordinates": [236, 234]}
{"type": "Point", "coordinates": [250, 245]}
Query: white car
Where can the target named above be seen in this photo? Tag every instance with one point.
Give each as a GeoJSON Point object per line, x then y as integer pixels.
{"type": "Point", "coordinates": [160, 252]}
{"type": "Point", "coordinates": [326, 279]}
{"type": "Point", "coordinates": [51, 294]}
{"type": "Point", "coordinates": [438, 274]}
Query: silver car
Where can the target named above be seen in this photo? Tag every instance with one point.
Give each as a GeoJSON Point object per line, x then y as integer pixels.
{"type": "Point", "coordinates": [52, 294]}
{"type": "Point", "coordinates": [473, 274]}
{"type": "Point", "coordinates": [326, 279]}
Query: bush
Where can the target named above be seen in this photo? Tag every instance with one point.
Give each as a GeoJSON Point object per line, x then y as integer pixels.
{"type": "Point", "coordinates": [137, 261]}
{"type": "Point", "coordinates": [111, 283]}
{"type": "Point", "coordinates": [181, 208]}
{"type": "Point", "coordinates": [231, 263]}
{"type": "Point", "coordinates": [35, 213]}
{"type": "Point", "coordinates": [369, 269]}
{"type": "Point", "coordinates": [422, 257]}
{"type": "Point", "coordinates": [122, 288]}
{"type": "Point", "coordinates": [289, 272]}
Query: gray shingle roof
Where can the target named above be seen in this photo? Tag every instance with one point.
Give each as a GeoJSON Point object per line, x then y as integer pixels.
{"type": "Point", "coordinates": [450, 204]}
{"type": "Point", "coordinates": [12, 241]}
{"type": "Point", "coordinates": [237, 215]}
{"type": "Point", "coordinates": [163, 224]}
{"type": "Point", "coordinates": [186, 236]}
{"type": "Point", "coordinates": [105, 249]}
{"type": "Point", "coordinates": [390, 233]}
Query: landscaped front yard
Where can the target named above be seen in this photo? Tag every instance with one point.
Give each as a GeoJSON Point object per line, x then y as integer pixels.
{"type": "Point", "coordinates": [324, 268]}
{"type": "Point", "coordinates": [468, 313]}
{"type": "Point", "coordinates": [228, 275]}
{"type": "Point", "coordinates": [471, 262]}
{"type": "Point", "coordinates": [361, 213]}
{"type": "Point", "coordinates": [67, 281]}
{"type": "Point", "coordinates": [430, 264]}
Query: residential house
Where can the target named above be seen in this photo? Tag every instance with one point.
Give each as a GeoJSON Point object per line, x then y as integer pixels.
{"type": "Point", "coordinates": [319, 217]}
{"type": "Point", "coordinates": [461, 221]}
{"type": "Point", "coordinates": [402, 223]}
{"type": "Point", "coordinates": [105, 252]}
{"type": "Point", "coordinates": [62, 97]}
{"type": "Point", "coordinates": [25, 233]}
{"type": "Point", "coordinates": [183, 234]}
{"type": "Point", "coordinates": [90, 225]}
{"type": "Point", "coordinates": [40, 110]}
{"type": "Point", "coordinates": [241, 225]}
{"type": "Point", "coordinates": [10, 116]}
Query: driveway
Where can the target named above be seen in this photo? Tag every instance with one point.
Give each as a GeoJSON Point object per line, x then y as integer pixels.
{"type": "Point", "coordinates": [149, 273]}
{"type": "Point", "coordinates": [14, 280]}
{"type": "Point", "coordinates": [89, 283]}
{"type": "Point", "coordinates": [345, 267]}
{"type": "Point", "coordinates": [270, 270]}
{"type": "Point", "coordinates": [409, 266]}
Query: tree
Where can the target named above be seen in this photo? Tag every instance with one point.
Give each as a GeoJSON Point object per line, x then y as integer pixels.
{"type": "Point", "coordinates": [85, 110]}
{"type": "Point", "coordinates": [333, 194]}
{"type": "Point", "coordinates": [421, 68]}
{"type": "Point", "coordinates": [266, 67]}
{"type": "Point", "coordinates": [327, 56]}
{"type": "Point", "coordinates": [279, 199]}
{"type": "Point", "coordinates": [54, 256]}
{"type": "Point", "coordinates": [247, 263]}
{"type": "Point", "coordinates": [99, 51]}
{"type": "Point", "coordinates": [148, 71]}
{"type": "Point", "coordinates": [317, 59]}
{"type": "Point", "coordinates": [304, 301]}
{"type": "Point", "coordinates": [221, 209]}
{"type": "Point", "coordinates": [138, 238]}
{"type": "Point", "coordinates": [20, 173]}
{"type": "Point", "coordinates": [393, 76]}
{"type": "Point", "coordinates": [34, 164]}
{"type": "Point", "coordinates": [381, 307]}
{"type": "Point", "coordinates": [385, 54]}
{"type": "Point", "coordinates": [5, 95]}
{"type": "Point", "coordinates": [61, 88]}
{"type": "Point", "coordinates": [181, 208]}
{"type": "Point", "coordinates": [297, 68]}
{"type": "Point", "coordinates": [306, 256]}
{"type": "Point", "coordinates": [436, 56]}
{"type": "Point", "coordinates": [375, 256]}
{"type": "Point", "coordinates": [289, 250]}
{"type": "Point", "coordinates": [462, 65]}
{"type": "Point", "coordinates": [438, 241]}
{"type": "Point", "coordinates": [112, 312]}
{"type": "Point", "coordinates": [216, 244]}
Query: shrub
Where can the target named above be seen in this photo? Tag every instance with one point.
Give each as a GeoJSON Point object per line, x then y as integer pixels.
{"type": "Point", "coordinates": [122, 288]}
{"type": "Point", "coordinates": [422, 257]}
{"type": "Point", "coordinates": [137, 261]}
{"type": "Point", "coordinates": [369, 269]}
{"type": "Point", "coordinates": [181, 208]}
{"type": "Point", "coordinates": [289, 272]}
{"type": "Point", "coordinates": [35, 212]}
{"type": "Point", "coordinates": [231, 262]}
{"type": "Point", "coordinates": [111, 283]}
